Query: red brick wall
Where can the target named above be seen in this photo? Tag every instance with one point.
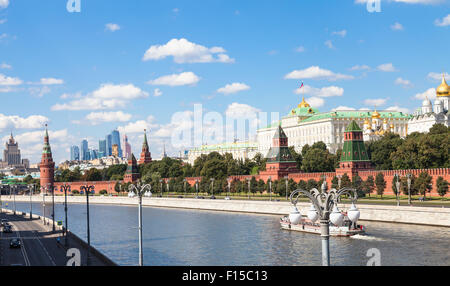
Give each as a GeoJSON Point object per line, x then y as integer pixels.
{"type": "Point", "coordinates": [109, 186]}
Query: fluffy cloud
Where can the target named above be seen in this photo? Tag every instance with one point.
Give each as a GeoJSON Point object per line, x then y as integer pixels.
{"type": "Point", "coordinates": [429, 93]}
{"type": "Point", "coordinates": [437, 76]}
{"type": "Point", "coordinates": [184, 51]}
{"type": "Point", "coordinates": [5, 80]}
{"type": "Point", "coordinates": [375, 102]}
{"type": "Point", "coordinates": [17, 122]}
{"type": "Point", "coordinates": [316, 101]}
{"type": "Point", "coordinates": [329, 44]}
{"type": "Point", "coordinates": [300, 49]}
{"type": "Point", "coordinates": [315, 72]}
{"type": "Point", "coordinates": [342, 33]}
{"type": "Point", "coordinates": [139, 126]}
{"type": "Point", "coordinates": [233, 88]}
{"type": "Point", "coordinates": [397, 26]}
{"type": "Point", "coordinates": [3, 21]}
{"type": "Point", "coordinates": [343, 108]}
{"type": "Point", "coordinates": [4, 4]}
{"type": "Point", "coordinates": [108, 96]}
{"type": "Point", "coordinates": [389, 67]}
{"type": "Point", "coordinates": [185, 78]}
{"type": "Point", "coordinates": [95, 118]}
{"type": "Point", "coordinates": [112, 27]}
{"type": "Point", "coordinates": [403, 82]}
{"type": "Point", "coordinates": [360, 67]}
{"type": "Point", "coordinates": [51, 81]}
{"type": "Point", "coordinates": [328, 91]}
{"type": "Point", "coordinates": [399, 109]}
{"type": "Point", "coordinates": [443, 22]}
{"type": "Point", "coordinates": [5, 66]}
{"type": "Point", "coordinates": [239, 110]}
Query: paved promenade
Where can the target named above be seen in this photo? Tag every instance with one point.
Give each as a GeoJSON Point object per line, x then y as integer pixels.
{"type": "Point", "coordinates": [40, 246]}
{"type": "Point", "coordinates": [384, 213]}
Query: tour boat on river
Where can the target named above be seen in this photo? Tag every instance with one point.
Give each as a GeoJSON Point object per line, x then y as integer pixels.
{"type": "Point", "coordinates": [346, 223]}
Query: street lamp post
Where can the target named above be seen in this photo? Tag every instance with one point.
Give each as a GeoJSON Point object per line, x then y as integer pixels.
{"type": "Point", "coordinates": [1, 203]}
{"type": "Point", "coordinates": [212, 187]}
{"type": "Point", "coordinates": [339, 181]}
{"type": "Point", "coordinates": [184, 186]}
{"type": "Point", "coordinates": [196, 188]}
{"type": "Point", "coordinates": [53, 206]}
{"type": "Point", "coordinates": [14, 195]}
{"type": "Point", "coordinates": [270, 188]}
{"type": "Point", "coordinates": [248, 190]}
{"type": "Point", "coordinates": [140, 190]}
{"type": "Point", "coordinates": [161, 181]}
{"type": "Point", "coordinates": [228, 188]}
{"type": "Point", "coordinates": [87, 190]}
{"type": "Point", "coordinates": [43, 202]}
{"type": "Point", "coordinates": [397, 186]}
{"type": "Point", "coordinates": [31, 189]}
{"type": "Point", "coordinates": [408, 176]}
{"type": "Point", "coordinates": [287, 186]}
{"type": "Point", "coordinates": [324, 207]}
{"type": "Point", "coordinates": [65, 188]}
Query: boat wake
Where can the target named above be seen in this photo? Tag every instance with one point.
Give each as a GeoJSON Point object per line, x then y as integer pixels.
{"type": "Point", "coordinates": [367, 237]}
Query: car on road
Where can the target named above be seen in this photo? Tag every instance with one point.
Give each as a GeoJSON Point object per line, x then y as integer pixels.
{"type": "Point", "coordinates": [7, 229]}
{"type": "Point", "coordinates": [15, 243]}
{"type": "Point", "coordinates": [4, 221]}
{"type": "Point", "coordinates": [227, 198]}
{"type": "Point", "coordinates": [213, 198]}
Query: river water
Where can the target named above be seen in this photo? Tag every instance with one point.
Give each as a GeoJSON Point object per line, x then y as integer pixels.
{"type": "Point", "coordinates": [175, 237]}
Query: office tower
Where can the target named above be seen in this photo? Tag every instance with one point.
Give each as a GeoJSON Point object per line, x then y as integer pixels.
{"type": "Point", "coordinates": [84, 150]}
{"type": "Point", "coordinates": [93, 154]}
{"type": "Point", "coordinates": [11, 154]}
{"type": "Point", "coordinates": [109, 145]}
{"type": "Point", "coordinates": [102, 148]}
{"type": "Point", "coordinates": [115, 150]}
{"type": "Point", "coordinates": [116, 141]}
{"type": "Point", "coordinates": [74, 153]}
{"type": "Point", "coordinates": [126, 146]}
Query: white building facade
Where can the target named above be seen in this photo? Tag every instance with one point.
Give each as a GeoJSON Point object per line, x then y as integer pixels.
{"type": "Point", "coordinates": [428, 115]}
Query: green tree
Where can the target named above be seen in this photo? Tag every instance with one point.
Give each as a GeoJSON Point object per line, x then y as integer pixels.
{"type": "Point", "coordinates": [442, 186]}
{"type": "Point", "coordinates": [357, 182]}
{"type": "Point", "coordinates": [345, 181]}
{"type": "Point", "coordinates": [380, 184]}
{"type": "Point", "coordinates": [302, 185]}
{"type": "Point", "coordinates": [394, 186]}
{"type": "Point", "coordinates": [335, 183]}
{"type": "Point", "coordinates": [92, 175]}
{"type": "Point", "coordinates": [311, 184]}
{"type": "Point", "coordinates": [297, 157]}
{"type": "Point", "coordinates": [380, 151]}
{"type": "Point", "coordinates": [423, 183]}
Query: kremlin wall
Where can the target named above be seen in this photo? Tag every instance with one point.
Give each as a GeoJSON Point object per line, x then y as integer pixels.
{"type": "Point", "coordinates": [280, 164]}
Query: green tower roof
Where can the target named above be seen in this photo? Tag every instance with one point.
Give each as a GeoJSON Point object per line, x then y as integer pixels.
{"type": "Point", "coordinates": [353, 127]}
{"type": "Point", "coordinates": [354, 149]}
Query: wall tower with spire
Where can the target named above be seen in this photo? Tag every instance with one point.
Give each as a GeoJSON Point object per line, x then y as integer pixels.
{"type": "Point", "coordinates": [146, 156]}
{"type": "Point", "coordinates": [47, 166]}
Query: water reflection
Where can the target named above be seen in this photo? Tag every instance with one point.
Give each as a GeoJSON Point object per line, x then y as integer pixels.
{"type": "Point", "coordinates": [186, 237]}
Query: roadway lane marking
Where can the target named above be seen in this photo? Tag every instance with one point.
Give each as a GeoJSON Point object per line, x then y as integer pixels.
{"type": "Point", "coordinates": [43, 247]}
{"type": "Point", "coordinates": [22, 247]}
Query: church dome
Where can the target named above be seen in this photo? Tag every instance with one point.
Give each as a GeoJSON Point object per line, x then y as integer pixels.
{"type": "Point", "coordinates": [303, 104]}
{"type": "Point", "coordinates": [426, 102]}
{"type": "Point", "coordinates": [376, 114]}
{"type": "Point", "coordinates": [443, 89]}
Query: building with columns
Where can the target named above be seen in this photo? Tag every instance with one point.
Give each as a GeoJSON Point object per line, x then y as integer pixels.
{"type": "Point", "coordinates": [428, 115]}
{"type": "Point", "coordinates": [47, 166]}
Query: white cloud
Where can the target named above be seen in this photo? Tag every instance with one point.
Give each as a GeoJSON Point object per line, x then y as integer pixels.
{"type": "Point", "coordinates": [328, 91]}
{"type": "Point", "coordinates": [96, 118]}
{"type": "Point", "coordinates": [157, 92]}
{"type": "Point", "coordinates": [399, 109]}
{"type": "Point", "coordinates": [404, 82]}
{"type": "Point", "coordinates": [389, 67]}
{"type": "Point", "coordinates": [108, 96]}
{"type": "Point", "coordinates": [339, 108]}
{"type": "Point", "coordinates": [51, 81]}
{"type": "Point", "coordinates": [315, 101]}
{"type": "Point", "coordinates": [3, 36]}
{"type": "Point", "coordinates": [17, 122]}
{"type": "Point", "coordinates": [184, 51]}
{"type": "Point", "coordinates": [3, 21]}
{"type": "Point", "coordinates": [329, 44]}
{"type": "Point", "coordinates": [233, 88]}
{"type": "Point", "coordinates": [360, 67]}
{"type": "Point", "coordinates": [112, 27]}
{"type": "Point", "coordinates": [185, 78]}
{"type": "Point", "coordinates": [5, 66]}
{"type": "Point", "coordinates": [397, 27]}
{"type": "Point", "coordinates": [342, 33]}
{"type": "Point", "coordinates": [240, 110]}
{"type": "Point", "coordinates": [429, 93]}
{"type": "Point", "coordinates": [443, 22]}
{"type": "Point", "coordinates": [39, 91]}
{"type": "Point", "coordinates": [4, 4]}
{"type": "Point", "coordinates": [315, 72]}
{"type": "Point", "coordinates": [375, 102]}
{"type": "Point", "coordinates": [437, 76]}
{"type": "Point", "coordinates": [300, 49]}
{"type": "Point", "coordinates": [5, 80]}
{"type": "Point", "coordinates": [139, 126]}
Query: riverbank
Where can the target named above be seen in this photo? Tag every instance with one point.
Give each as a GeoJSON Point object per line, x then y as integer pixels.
{"type": "Point", "coordinates": [382, 213]}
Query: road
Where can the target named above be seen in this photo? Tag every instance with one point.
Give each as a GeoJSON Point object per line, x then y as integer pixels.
{"type": "Point", "coordinates": [40, 246]}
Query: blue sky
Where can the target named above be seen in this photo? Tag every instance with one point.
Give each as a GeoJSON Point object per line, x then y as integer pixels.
{"type": "Point", "coordinates": [87, 73]}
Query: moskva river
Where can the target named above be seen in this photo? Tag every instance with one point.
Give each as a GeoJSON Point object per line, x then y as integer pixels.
{"type": "Point", "coordinates": [197, 238]}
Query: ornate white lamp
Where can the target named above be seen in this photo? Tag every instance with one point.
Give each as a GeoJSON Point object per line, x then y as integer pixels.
{"type": "Point", "coordinates": [353, 213]}
{"type": "Point", "coordinates": [336, 217]}
{"type": "Point", "coordinates": [295, 216]}
{"type": "Point", "coordinates": [313, 215]}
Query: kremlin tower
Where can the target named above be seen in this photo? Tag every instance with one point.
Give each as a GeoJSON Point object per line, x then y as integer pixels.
{"type": "Point", "coordinates": [47, 166]}
{"type": "Point", "coordinates": [132, 173]}
{"type": "Point", "coordinates": [146, 157]}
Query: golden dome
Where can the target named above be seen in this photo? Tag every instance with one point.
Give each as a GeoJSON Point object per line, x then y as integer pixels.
{"type": "Point", "coordinates": [376, 114]}
{"type": "Point", "coordinates": [385, 121]}
{"type": "Point", "coordinates": [443, 89]}
{"type": "Point", "coordinates": [303, 104]}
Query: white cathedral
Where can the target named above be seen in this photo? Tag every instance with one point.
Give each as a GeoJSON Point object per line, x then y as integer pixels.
{"type": "Point", "coordinates": [426, 116]}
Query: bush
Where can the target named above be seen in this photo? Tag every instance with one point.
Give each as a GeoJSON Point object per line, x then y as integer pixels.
{"type": "Point", "coordinates": [103, 192]}
{"type": "Point", "coordinates": [75, 192]}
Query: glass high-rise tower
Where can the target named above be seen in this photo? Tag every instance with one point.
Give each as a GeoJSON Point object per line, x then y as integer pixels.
{"type": "Point", "coordinates": [84, 151]}
{"type": "Point", "coordinates": [115, 137]}
{"type": "Point", "coordinates": [74, 153]}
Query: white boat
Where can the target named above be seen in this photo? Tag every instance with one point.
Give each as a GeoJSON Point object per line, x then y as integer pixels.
{"type": "Point", "coordinates": [344, 227]}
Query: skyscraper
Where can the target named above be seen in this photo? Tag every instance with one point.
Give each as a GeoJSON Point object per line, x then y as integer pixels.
{"type": "Point", "coordinates": [108, 145]}
{"type": "Point", "coordinates": [102, 149]}
{"type": "Point", "coordinates": [11, 154]}
{"type": "Point", "coordinates": [74, 153]}
{"type": "Point", "coordinates": [126, 146]}
{"type": "Point", "coordinates": [84, 150]}
{"type": "Point", "coordinates": [116, 141]}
